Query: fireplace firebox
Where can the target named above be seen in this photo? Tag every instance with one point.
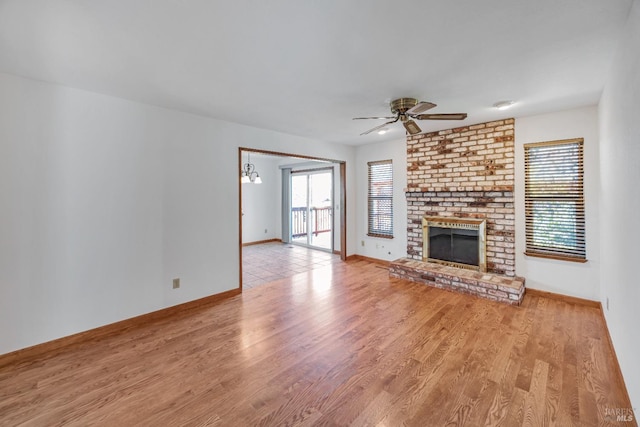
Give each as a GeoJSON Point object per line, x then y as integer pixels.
{"type": "Point", "coordinates": [457, 242]}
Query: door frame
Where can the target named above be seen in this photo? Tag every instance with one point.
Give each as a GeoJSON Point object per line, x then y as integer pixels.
{"type": "Point", "coordinates": [342, 198]}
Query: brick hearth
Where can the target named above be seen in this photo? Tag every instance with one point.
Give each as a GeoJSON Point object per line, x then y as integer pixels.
{"type": "Point", "coordinates": [509, 290]}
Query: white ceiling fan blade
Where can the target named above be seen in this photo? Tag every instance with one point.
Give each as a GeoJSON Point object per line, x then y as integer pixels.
{"type": "Point", "coordinates": [380, 127]}
{"type": "Point", "coordinates": [420, 107]}
{"type": "Point", "coordinates": [444, 116]}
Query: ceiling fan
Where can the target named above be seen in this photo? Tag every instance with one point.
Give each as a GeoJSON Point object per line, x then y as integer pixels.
{"type": "Point", "coordinates": [406, 109]}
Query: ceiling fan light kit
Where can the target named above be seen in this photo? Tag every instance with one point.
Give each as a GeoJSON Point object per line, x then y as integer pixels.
{"type": "Point", "coordinates": [503, 105]}
{"type": "Point", "coordinates": [407, 109]}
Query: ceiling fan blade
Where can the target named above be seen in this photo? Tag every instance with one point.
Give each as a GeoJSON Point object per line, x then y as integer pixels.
{"type": "Point", "coordinates": [367, 118]}
{"type": "Point", "coordinates": [450, 116]}
{"type": "Point", "coordinates": [420, 107]}
{"type": "Point", "coordinates": [380, 127]}
{"type": "Point", "coordinates": [411, 127]}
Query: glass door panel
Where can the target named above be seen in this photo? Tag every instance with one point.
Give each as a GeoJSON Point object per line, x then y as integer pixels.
{"type": "Point", "coordinates": [312, 208]}
{"type": "Point", "coordinates": [321, 209]}
{"type": "Point", "coordinates": [299, 209]}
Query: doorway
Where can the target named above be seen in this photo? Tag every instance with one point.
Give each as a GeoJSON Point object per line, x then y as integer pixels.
{"type": "Point", "coordinates": [283, 165]}
{"type": "Point", "coordinates": [312, 208]}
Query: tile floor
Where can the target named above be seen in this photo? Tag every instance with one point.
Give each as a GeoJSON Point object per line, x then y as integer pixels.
{"type": "Point", "coordinates": [268, 262]}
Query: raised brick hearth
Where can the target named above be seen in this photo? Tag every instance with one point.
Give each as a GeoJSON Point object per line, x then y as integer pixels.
{"type": "Point", "coordinates": [509, 290]}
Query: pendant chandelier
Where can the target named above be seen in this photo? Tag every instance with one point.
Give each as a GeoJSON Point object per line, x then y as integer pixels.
{"type": "Point", "coordinates": [249, 174]}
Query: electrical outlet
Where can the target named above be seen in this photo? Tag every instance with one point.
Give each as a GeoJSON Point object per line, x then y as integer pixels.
{"type": "Point", "coordinates": [265, 231]}
{"type": "Point", "coordinates": [176, 283]}
{"type": "Point", "coordinates": [607, 303]}
{"type": "Point", "coordinates": [361, 242]}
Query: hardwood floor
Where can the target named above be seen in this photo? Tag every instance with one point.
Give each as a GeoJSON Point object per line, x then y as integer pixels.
{"type": "Point", "coordinates": [339, 345]}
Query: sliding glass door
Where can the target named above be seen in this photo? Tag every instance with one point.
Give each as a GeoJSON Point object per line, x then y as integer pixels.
{"type": "Point", "coordinates": [312, 208]}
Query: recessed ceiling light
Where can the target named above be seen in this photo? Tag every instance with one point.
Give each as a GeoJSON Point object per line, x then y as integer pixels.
{"type": "Point", "coordinates": [503, 105]}
{"type": "Point", "coordinates": [382, 131]}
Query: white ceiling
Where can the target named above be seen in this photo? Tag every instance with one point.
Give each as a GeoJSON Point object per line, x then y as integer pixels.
{"type": "Point", "coordinates": [307, 67]}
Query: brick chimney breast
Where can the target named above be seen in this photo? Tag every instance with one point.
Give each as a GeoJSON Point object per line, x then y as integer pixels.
{"type": "Point", "coordinates": [465, 172]}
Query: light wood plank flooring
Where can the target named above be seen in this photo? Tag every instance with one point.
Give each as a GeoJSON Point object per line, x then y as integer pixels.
{"type": "Point", "coordinates": [339, 345]}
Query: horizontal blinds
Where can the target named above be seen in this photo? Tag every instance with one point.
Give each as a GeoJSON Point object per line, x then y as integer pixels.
{"type": "Point", "coordinates": [554, 199]}
{"type": "Point", "coordinates": [380, 199]}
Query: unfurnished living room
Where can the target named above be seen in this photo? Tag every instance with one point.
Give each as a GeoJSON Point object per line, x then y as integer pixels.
{"type": "Point", "coordinates": [286, 212]}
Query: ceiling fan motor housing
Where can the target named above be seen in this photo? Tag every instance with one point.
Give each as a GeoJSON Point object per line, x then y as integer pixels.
{"type": "Point", "coordinates": [401, 105]}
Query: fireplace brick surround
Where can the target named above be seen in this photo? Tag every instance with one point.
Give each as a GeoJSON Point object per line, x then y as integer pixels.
{"type": "Point", "coordinates": [465, 172]}
{"type": "Point", "coordinates": [495, 206]}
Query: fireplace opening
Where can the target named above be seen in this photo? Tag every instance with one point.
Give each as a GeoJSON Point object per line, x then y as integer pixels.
{"type": "Point", "coordinates": [458, 242]}
{"type": "Point", "coordinates": [454, 244]}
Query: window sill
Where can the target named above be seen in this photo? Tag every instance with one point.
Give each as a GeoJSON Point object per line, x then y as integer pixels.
{"type": "Point", "coordinates": [557, 257]}
{"type": "Point", "coordinates": [381, 236]}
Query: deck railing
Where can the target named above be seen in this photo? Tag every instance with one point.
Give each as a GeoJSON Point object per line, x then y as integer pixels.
{"type": "Point", "coordinates": [320, 220]}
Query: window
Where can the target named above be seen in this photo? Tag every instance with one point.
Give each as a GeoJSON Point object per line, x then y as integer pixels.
{"type": "Point", "coordinates": [554, 200]}
{"type": "Point", "coordinates": [380, 203]}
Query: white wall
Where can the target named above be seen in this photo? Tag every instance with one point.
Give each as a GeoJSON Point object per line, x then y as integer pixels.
{"type": "Point", "coordinates": [261, 202]}
{"type": "Point", "coordinates": [620, 202]}
{"type": "Point", "coordinates": [563, 277]}
{"type": "Point", "coordinates": [375, 247]}
{"type": "Point", "coordinates": [104, 201]}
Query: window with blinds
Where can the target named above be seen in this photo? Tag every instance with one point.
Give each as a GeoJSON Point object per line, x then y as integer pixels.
{"type": "Point", "coordinates": [554, 200]}
{"type": "Point", "coordinates": [380, 199]}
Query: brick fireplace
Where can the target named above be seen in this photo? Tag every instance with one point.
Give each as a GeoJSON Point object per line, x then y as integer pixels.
{"type": "Point", "coordinates": [465, 173]}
